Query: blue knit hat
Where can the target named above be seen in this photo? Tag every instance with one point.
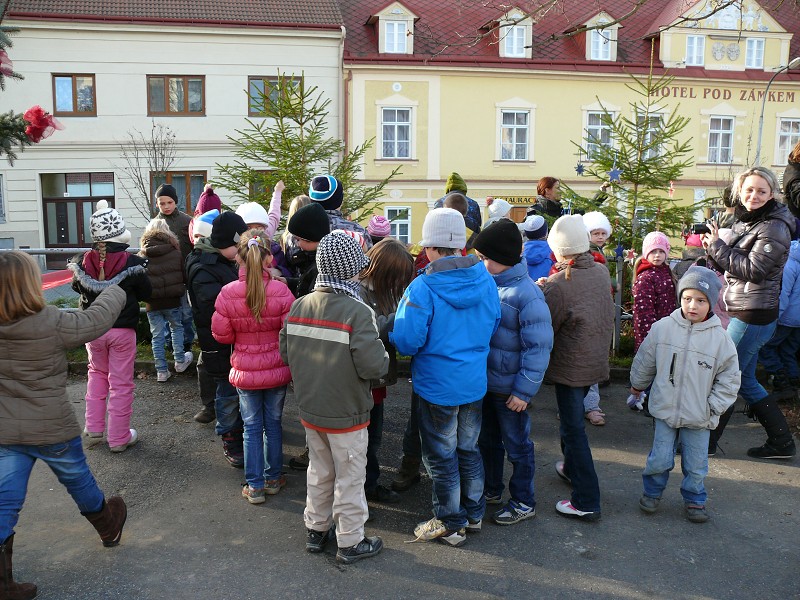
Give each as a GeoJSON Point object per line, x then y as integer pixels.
{"type": "Point", "coordinates": [327, 190]}
{"type": "Point", "coordinates": [202, 224]}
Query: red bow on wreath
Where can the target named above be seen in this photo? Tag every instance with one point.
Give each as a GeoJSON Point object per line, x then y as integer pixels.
{"type": "Point", "coordinates": [6, 66]}
{"type": "Point", "coordinates": [41, 124]}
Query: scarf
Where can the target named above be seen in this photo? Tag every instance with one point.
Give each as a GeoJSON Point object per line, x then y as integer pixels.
{"type": "Point", "coordinates": [751, 216]}
{"type": "Point", "coordinates": [339, 286]}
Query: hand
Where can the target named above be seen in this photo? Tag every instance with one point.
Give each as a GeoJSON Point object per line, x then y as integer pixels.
{"type": "Point", "coordinates": [280, 186]}
{"type": "Point", "coordinates": [541, 281]}
{"type": "Point", "coordinates": [710, 238]}
{"type": "Point", "coordinates": [515, 404]}
{"type": "Point", "coordinates": [275, 273]}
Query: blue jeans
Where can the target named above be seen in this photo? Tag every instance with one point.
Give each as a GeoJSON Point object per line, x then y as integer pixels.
{"type": "Point", "coordinates": [780, 353]}
{"type": "Point", "coordinates": [661, 460]}
{"type": "Point", "coordinates": [505, 431]}
{"type": "Point", "coordinates": [411, 444]}
{"type": "Point", "coordinates": [449, 436]}
{"type": "Point", "coordinates": [262, 411]}
{"type": "Point", "coordinates": [65, 459]}
{"type": "Point", "coordinates": [375, 431]}
{"type": "Point", "coordinates": [578, 462]}
{"type": "Point", "coordinates": [749, 339]}
{"type": "Point", "coordinates": [226, 404]}
{"type": "Point", "coordinates": [160, 322]}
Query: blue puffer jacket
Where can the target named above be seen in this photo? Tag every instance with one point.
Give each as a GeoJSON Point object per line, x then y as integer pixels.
{"type": "Point", "coordinates": [444, 321]}
{"type": "Point", "coordinates": [520, 348]}
{"type": "Point", "coordinates": [790, 289]}
{"type": "Point", "coordinates": [537, 257]}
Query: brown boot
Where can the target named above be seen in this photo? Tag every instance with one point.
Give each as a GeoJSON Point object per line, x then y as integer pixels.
{"type": "Point", "coordinates": [109, 520]}
{"type": "Point", "coordinates": [10, 589]}
{"type": "Point", "coordinates": [408, 474]}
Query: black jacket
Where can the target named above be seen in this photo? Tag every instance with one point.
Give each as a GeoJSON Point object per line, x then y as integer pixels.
{"type": "Point", "coordinates": [791, 187]}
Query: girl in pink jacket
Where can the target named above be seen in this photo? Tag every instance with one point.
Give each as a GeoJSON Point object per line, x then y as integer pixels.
{"type": "Point", "coordinates": [249, 314]}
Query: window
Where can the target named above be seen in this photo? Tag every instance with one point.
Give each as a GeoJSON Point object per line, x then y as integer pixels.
{"type": "Point", "coordinates": [514, 135]}
{"type": "Point", "coordinates": [73, 96]}
{"type": "Point", "coordinates": [182, 181]}
{"type": "Point", "coordinates": [259, 189]}
{"type": "Point", "coordinates": [788, 136]}
{"type": "Point", "coordinates": [69, 199]}
{"type": "Point", "coordinates": [598, 133]}
{"type": "Point", "coordinates": [695, 50]}
{"type": "Point", "coordinates": [651, 131]}
{"type": "Point", "coordinates": [400, 220]}
{"type": "Point", "coordinates": [515, 41]}
{"type": "Point", "coordinates": [396, 37]}
{"type": "Point", "coordinates": [2, 202]}
{"type": "Point", "coordinates": [601, 43]}
{"type": "Point", "coordinates": [720, 140]}
{"type": "Point", "coordinates": [754, 53]}
{"type": "Point", "coordinates": [396, 128]}
{"type": "Point", "coordinates": [176, 95]}
{"type": "Point", "coordinates": [258, 87]}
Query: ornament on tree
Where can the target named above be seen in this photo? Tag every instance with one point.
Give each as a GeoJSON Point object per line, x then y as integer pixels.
{"type": "Point", "coordinates": [41, 124]}
{"type": "Point", "coordinates": [671, 191]}
{"type": "Point", "coordinates": [630, 255]}
{"type": "Point", "coordinates": [6, 66]}
{"type": "Point", "coordinates": [614, 174]}
{"type": "Point", "coordinates": [580, 169]}
{"type": "Point", "coordinates": [619, 250]}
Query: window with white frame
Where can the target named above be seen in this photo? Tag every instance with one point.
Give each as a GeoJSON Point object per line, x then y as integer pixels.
{"type": "Point", "coordinates": [399, 218]}
{"type": "Point", "coordinates": [601, 42]}
{"type": "Point", "coordinates": [720, 140]}
{"type": "Point", "coordinates": [2, 202]}
{"type": "Point", "coordinates": [515, 41]}
{"type": "Point", "coordinates": [514, 127]}
{"type": "Point", "coordinates": [650, 130]}
{"type": "Point", "coordinates": [396, 132]}
{"type": "Point", "coordinates": [695, 50]}
{"type": "Point", "coordinates": [598, 133]}
{"type": "Point", "coordinates": [395, 39]}
{"type": "Point", "coordinates": [754, 53]}
{"type": "Point", "coordinates": [788, 137]}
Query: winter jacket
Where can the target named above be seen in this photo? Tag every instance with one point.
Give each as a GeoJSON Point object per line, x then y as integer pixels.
{"type": "Point", "coordinates": [537, 257]}
{"type": "Point", "coordinates": [791, 187]}
{"type": "Point", "coordinates": [34, 407]}
{"type": "Point", "coordinates": [121, 268]}
{"type": "Point", "coordinates": [207, 272]}
{"type": "Point", "coordinates": [546, 207]}
{"type": "Point", "coordinates": [179, 223]}
{"type": "Point", "coordinates": [304, 267]}
{"type": "Point", "coordinates": [444, 321]}
{"type": "Point", "coordinates": [330, 343]}
{"type": "Point", "coordinates": [164, 269]}
{"type": "Point", "coordinates": [256, 361]}
{"type": "Point", "coordinates": [654, 297]}
{"type": "Point", "coordinates": [582, 312]}
{"type": "Point", "coordinates": [597, 254]}
{"type": "Point", "coordinates": [694, 370]}
{"type": "Point", "coordinates": [339, 222]}
{"type": "Point", "coordinates": [790, 289]}
{"type": "Point", "coordinates": [753, 264]}
{"type": "Point", "coordinates": [520, 348]}
{"type": "Point", "coordinates": [382, 321]}
{"type": "Point", "coordinates": [689, 256]}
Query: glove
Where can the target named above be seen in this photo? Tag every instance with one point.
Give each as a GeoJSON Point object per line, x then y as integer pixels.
{"type": "Point", "coordinates": [636, 401]}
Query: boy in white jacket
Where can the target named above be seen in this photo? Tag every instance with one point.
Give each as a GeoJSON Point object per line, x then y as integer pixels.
{"type": "Point", "coordinates": [694, 370]}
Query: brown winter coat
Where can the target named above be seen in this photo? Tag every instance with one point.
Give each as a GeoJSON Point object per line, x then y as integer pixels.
{"type": "Point", "coordinates": [34, 408]}
{"type": "Point", "coordinates": [165, 270]}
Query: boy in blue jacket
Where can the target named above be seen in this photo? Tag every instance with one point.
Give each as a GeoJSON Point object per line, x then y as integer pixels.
{"type": "Point", "coordinates": [518, 357]}
{"type": "Point", "coordinates": [444, 322]}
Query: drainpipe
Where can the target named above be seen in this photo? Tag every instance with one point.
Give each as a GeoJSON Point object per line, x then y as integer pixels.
{"type": "Point", "coordinates": [343, 93]}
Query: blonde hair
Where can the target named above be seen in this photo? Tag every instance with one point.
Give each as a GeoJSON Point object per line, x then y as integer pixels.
{"type": "Point", "coordinates": [20, 286]}
{"type": "Point", "coordinates": [158, 226]}
{"type": "Point", "coordinates": [763, 172]}
{"type": "Point", "coordinates": [296, 204]}
{"type": "Point", "coordinates": [794, 155]}
{"type": "Point", "coordinates": [390, 270]}
{"type": "Point", "coordinates": [253, 249]}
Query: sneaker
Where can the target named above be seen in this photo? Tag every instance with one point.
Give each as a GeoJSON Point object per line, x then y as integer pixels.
{"type": "Point", "coordinates": [162, 376]}
{"type": "Point", "coordinates": [436, 530]}
{"type": "Point", "coordinates": [299, 463]}
{"type": "Point", "coordinates": [473, 525]}
{"type": "Point", "coordinates": [696, 513]}
{"type": "Point", "coordinates": [205, 415]}
{"type": "Point", "coordinates": [317, 540]}
{"type": "Point", "coordinates": [566, 509]}
{"type": "Point", "coordinates": [648, 504]}
{"type": "Point", "coordinates": [596, 417]}
{"type": "Point", "coordinates": [131, 442]}
{"type": "Point", "coordinates": [769, 451]}
{"type": "Point", "coordinates": [493, 499]}
{"type": "Point", "coordinates": [273, 486]}
{"type": "Point", "coordinates": [559, 466]}
{"type": "Point", "coordinates": [383, 494]}
{"type": "Point", "coordinates": [180, 367]}
{"type": "Point", "coordinates": [513, 512]}
{"type": "Point", "coordinates": [253, 495]}
{"type": "Point", "coordinates": [454, 538]}
{"type": "Point", "coordinates": [363, 549]}
{"type": "Point", "coordinates": [92, 434]}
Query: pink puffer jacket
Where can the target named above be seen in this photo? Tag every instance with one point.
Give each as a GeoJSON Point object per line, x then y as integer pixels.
{"type": "Point", "coordinates": [256, 360]}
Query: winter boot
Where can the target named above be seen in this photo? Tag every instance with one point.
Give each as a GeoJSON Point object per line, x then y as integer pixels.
{"type": "Point", "coordinates": [779, 438]}
{"type": "Point", "coordinates": [780, 381]}
{"type": "Point", "coordinates": [109, 520]}
{"type": "Point", "coordinates": [713, 439]}
{"type": "Point", "coordinates": [10, 589]}
{"type": "Point", "coordinates": [408, 474]}
{"type": "Point", "coordinates": [233, 447]}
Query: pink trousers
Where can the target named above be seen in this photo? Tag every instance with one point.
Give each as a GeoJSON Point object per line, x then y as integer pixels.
{"type": "Point", "coordinates": [110, 385]}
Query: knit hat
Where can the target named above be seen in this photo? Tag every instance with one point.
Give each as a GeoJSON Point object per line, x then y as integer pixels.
{"type": "Point", "coordinates": [455, 184]}
{"type": "Point", "coordinates": [253, 212]}
{"type": "Point", "coordinates": [202, 224]}
{"type": "Point", "coordinates": [655, 240]}
{"type": "Point", "coordinates": [208, 201]}
{"type": "Point", "coordinates": [444, 228]}
{"type": "Point", "coordinates": [694, 241]}
{"type": "Point", "coordinates": [568, 236]}
{"type": "Point", "coordinates": [379, 226]}
{"type": "Point", "coordinates": [498, 208]}
{"type": "Point", "coordinates": [107, 225]}
{"type": "Point", "coordinates": [226, 229]}
{"type": "Point", "coordinates": [703, 280]}
{"type": "Point", "coordinates": [501, 242]}
{"type": "Point", "coordinates": [327, 190]}
{"type": "Point", "coordinates": [166, 189]}
{"type": "Point", "coordinates": [597, 220]}
{"type": "Point", "coordinates": [356, 235]}
{"type": "Point", "coordinates": [340, 256]}
{"type": "Point", "coordinates": [535, 227]}
{"type": "Point", "coordinates": [310, 223]}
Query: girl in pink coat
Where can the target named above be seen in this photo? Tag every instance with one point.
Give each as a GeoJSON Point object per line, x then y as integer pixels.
{"type": "Point", "coordinates": [249, 314]}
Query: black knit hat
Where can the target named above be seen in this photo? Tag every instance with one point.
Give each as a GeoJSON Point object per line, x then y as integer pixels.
{"type": "Point", "coordinates": [501, 242]}
{"type": "Point", "coordinates": [166, 189]}
{"type": "Point", "coordinates": [327, 190]}
{"type": "Point", "coordinates": [310, 223]}
{"type": "Point", "coordinates": [226, 229]}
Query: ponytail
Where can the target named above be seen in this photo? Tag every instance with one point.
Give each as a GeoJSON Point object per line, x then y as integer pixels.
{"type": "Point", "coordinates": [101, 248]}
{"type": "Point", "coordinates": [253, 250]}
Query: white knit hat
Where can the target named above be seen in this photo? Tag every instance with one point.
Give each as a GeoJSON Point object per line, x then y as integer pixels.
{"type": "Point", "coordinates": [597, 220]}
{"type": "Point", "coordinates": [444, 228]}
{"type": "Point", "coordinates": [568, 236]}
{"type": "Point", "coordinates": [107, 225]}
{"type": "Point", "coordinates": [498, 208]}
{"type": "Point", "coordinates": [253, 212]}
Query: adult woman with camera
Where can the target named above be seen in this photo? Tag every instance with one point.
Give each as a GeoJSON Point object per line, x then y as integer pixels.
{"type": "Point", "coordinates": [753, 260]}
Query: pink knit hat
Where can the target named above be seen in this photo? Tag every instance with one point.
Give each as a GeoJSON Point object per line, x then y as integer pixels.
{"type": "Point", "coordinates": [655, 240]}
{"type": "Point", "coordinates": [694, 241]}
{"type": "Point", "coordinates": [379, 226]}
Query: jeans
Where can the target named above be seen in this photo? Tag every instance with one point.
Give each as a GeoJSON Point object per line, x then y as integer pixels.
{"type": "Point", "coordinates": [226, 404]}
{"type": "Point", "coordinates": [661, 460]}
{"type": "Point", "coordinates": [375, 431]}
{"type": "Point", "coordinates": [65, 459]}
{"type": "Point", "coordinates": [411, 444]}
{"type": "Point", "coordinates": [578, 462]}
{"type": "Point", "coordinates": [449, 436]}
{"type": "Point", "coordinates": [592, 399]}
{"type": "Point", "coordinates": [506, 431]}
{"type": "Point", "coordinates": [262, 411]}
{"type": "Point", "coordinates": [161, 321]}
{"type": "Point", "coordinates": [780, 353]}
{"type": "Point", "coordinates": [749, 339]}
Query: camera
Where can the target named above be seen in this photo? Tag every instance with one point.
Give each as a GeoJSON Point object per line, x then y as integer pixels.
{"type": "Point", "coordinates": [700, 228]}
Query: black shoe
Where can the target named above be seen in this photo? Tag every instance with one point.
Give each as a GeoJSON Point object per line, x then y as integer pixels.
{"type": "Point", "coordinates": [363, 549]}
{"type": "Point", "coordinates": [382, 494]}
{"type": "Point", "coordinates": [769, 451]}
{"type": "Point", "coordinates": [205, 415]}
{"type": "Point", "coordinates": [317, 540]}
{"type": "Point", "coordinates": [233, 448]}
{"type": "Point", "coordinates": [299, 463]}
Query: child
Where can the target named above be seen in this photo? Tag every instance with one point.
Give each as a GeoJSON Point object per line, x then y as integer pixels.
{"type": "Point", "coordinates": [111, 356]}
{"type": "Point", "coordinates": [256, 217]}
{"type": "Point", "coordinates": [207, 202]}
{"type": "Point", "coordinates": [249, 314]}
{"type": "Point", "coordinates": [497, 208]}
{"type": "Point", "coordinates": [331, 344]}
{"type": "Point", "coordinates": [201, 224]}
{"type": "Point", "coordinates": [307, 226]}
{"type": "Point", "coordinates": [518, 357]}
{"type": "Point", "coordinates": [36, 418]}
{"type": "Point", "coordinates": [328, 192]}
{"type": "Point", "coordinates": [165, 271]}
{"type": "Point", "coordinates": [583, 324]}
{"type": "Point", "coordinates": [689, 349]}
{"type": "Point", "coordinates": [692, 254]}
{"type": "Point", "coordinates": [535, 249]}
{"type": "Point", "coordinates": [209, 268]}
{"type": "Point", "coordinates": [445, 321]}
{"type": "Point", "coordinates": [378, 228]}
{"type": "Point", "coordinates": [653, 286]}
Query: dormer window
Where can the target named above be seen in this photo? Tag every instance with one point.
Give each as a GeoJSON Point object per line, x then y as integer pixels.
{"type": "Point", "coordinates": [395, 27]}
{"type": "Point", "coordinates": [754, 53]}
{"type": "Point", "coordinates": [601, 38]}
{"type": "Point", "coordinates": [601, 44]}
{"type": "Point", "coordinates": [695, 50]}
{"type": "Point", "coordinates": [395, 33]}
{"type": "Point", "coordinates": [514, 34]}
{"type": "Point", "coordinates": [515, 41]}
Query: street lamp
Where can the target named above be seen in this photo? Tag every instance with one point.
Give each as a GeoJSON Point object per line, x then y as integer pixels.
{"type": "Point", "coordinates": [793, 64]}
